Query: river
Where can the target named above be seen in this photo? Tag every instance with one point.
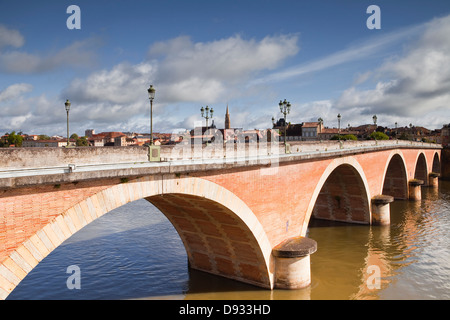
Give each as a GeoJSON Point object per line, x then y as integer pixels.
{"type": "Point", "coordinates": [134, 252]}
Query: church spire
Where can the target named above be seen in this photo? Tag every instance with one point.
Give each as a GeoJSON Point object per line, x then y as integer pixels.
{"type": "Point", "coordinates": [227, 119]}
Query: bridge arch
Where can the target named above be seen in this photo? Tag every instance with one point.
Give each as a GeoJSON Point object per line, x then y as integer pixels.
{"type": "Point", "coordinates": [342, 194]}
{"type": "Point", "coordinates": [220, 233]}
{"type": "Point", "coordinates": [421, 168]}
{"type": "Point", "coordinates": [436, 166]}
{"type": "Point", "coordinates": [395, 177]}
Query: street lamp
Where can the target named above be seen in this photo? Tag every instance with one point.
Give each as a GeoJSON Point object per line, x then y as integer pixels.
{"type": "Point", "coordinates": [154, 152]}
{"type": "Point", "coordinates": [374, 118]}
{"type": "Point", "coordinates": [208, 115]}
{"type": "Point", "coordinates": [285, 108]}
{"type": "Point", "coordinates": [151, 95]}
{"type": "Point", "coordinates": [396, 132]}
{"type": "Point", "coordinates": [67, 105]}
{"type": "Point", "coordinates": [339, 126]}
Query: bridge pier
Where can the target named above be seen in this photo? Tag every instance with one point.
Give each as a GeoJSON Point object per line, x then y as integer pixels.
{"type": "Point", "coordinates": [433, 179]}
{"type": "Point", "coordinates": [292, 263]}
{"type": "Point", "coordinates": [381, 213]}
{"type": "Point", "coordinates": [415, 193]}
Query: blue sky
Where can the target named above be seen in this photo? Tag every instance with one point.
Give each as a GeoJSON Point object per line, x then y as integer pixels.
{"type": "Point", "coordinates": [319, 55]}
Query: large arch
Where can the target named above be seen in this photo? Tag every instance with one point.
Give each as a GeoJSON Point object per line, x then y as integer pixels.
{"type": "Point", "coordinates": [395, 178]}
{"type": "Point", "coordinates": [220, 233]}
{"type": "Point", "coordinates": [421, 168]}
{"type": "Point", "coordinates": [342, 194]}
{"type": "Point", "coordinates": [436, 166]}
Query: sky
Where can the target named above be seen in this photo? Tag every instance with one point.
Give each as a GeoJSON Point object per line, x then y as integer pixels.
{"type": "Point", "coordinates": [319, 55]}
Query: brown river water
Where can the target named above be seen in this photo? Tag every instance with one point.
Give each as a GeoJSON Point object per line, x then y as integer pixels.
{"type": "Point", "coordinates": [133, 252]}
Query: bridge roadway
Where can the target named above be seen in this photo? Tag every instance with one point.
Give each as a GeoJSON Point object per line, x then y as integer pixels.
{"type": "Point", "coordinates": [34, 166]}
{"type": "Point", "coordinates": [242, 211]}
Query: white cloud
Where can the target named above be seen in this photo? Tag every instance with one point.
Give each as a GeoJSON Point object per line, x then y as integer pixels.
{"type": "Point", "coordinates": [185, 71]}
{"type": "Point", "coordinates": [14, 91]}
{"type": "Point", "coordinates": [77, 54]}
{"type": "Point", "coordinates": [19, 62]}
{"type": "Point", "coordinates": [23, 112]}
{"type": "Point", "coordinates": [412, 85]}
{"type": "Point", "coordinates": [124, 83]}
{"type": "Point", "coordinates": [181, 71]}
{"type": "Point", "coordinates": [208, 71]}
{"type": "Point", "coordinates": [226, 59]}
{"type": "Point", "coordinates": [10, 37]}
{"type": "Point", "coordinates": [354, 53]}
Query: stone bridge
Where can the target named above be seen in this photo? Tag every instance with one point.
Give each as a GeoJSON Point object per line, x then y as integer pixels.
{"type": "Point", "coordinates": [241, 212]}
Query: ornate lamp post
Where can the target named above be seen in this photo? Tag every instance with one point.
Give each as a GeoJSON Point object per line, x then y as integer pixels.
{"type": "Point", "coordinates": [151, 95]}
{"type": "Point", "coordinates": [374, 118]}
{"type": "Point", "coordinates": [154, 152]}
{"type": "Point", "coordinates": [285, 108]}
{"type": "Point", "coordinates": [339, 126]}
{"type": "Point", "coordinates": [67, 105]}
{"type": "Point", "coordinates": [396, 131]}
{"type": "Point", "coordinates": [208, 115]}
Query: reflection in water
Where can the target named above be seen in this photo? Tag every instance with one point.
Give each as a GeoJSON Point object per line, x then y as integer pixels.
{"type": "Point", "coordinates": [134, 252]}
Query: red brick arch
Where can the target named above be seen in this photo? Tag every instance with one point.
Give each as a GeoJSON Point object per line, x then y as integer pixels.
{"type": "Point", "coordinates": [436, 165]}
{"type": "Point", "coordinates": [395, 177]}
{"type": "Point", "coordinates": [226, 214]}
{"type": "Point", "coordinates": [421, 168]}
{"type": "Point", "coordinates": [221, 234]}
{"type": "Point", "coordinates": [216, 239]}
{"type": "Point", "coordinates": [342, 194]}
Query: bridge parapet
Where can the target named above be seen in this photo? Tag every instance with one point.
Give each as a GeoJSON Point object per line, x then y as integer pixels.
{"type": "Point", "coordinates": [246, 203]}
{"type": "Point", "coordinates": [21, 167]}
{"type": "Point", "coordinates": [20, 158]}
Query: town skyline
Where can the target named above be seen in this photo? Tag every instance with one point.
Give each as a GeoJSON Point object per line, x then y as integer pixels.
{"type": "Point", "coordinates": [299, 132]}
{"type": "Point", "coordinates": [321, 56]}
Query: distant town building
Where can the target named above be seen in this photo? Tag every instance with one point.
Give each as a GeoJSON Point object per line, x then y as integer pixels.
{"type": "Point", "coordinates": [445, 135]}
{"type": "Point", "coordinates": [96, 142]}
{"type": "Point", "coordinates": [31, 137]}
{"type": "Point", "coordinates": [53, 143]}
{"type": "Point", "coordinates": [328, 133]}
{"type": "Point", "coordinates": [311, 130]}
{"type": "Point", "coordinates": [89, 133]}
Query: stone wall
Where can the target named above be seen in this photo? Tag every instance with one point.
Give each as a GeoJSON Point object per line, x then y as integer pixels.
{"type": "Point", "coordinates": [48, 157]}
{"type": "Point", "coordinates": [19, 158]}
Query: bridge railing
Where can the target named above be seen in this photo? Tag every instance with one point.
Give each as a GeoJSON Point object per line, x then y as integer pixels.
{"type": "Point", "coordinates": [24, 158]}
{"type": "Point", "coordinates": [274, 149]}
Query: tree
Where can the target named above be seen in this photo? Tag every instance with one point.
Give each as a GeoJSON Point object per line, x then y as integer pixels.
{"type": "Point", "coordinates": [82, 142]}
{"type": "Point", "coordinates": [15, 139]}
{"type": "Point", "coordinates": [350, 137]}
{"type": "Point", "coordinates": [376, 135]}
{"type": "Point", "coordinates": [344, 137]}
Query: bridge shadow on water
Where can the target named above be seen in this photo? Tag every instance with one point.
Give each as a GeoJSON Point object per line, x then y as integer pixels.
{"type": "Point", "coordinates": [134, 252]}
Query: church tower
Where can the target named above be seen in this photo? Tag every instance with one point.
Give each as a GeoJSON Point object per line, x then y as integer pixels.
{"type": "Point", "coordinates": [227, 119]}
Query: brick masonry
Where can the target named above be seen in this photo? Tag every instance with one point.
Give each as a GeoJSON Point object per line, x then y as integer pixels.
{"type": "Point", "coordinates": [229, 219]}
